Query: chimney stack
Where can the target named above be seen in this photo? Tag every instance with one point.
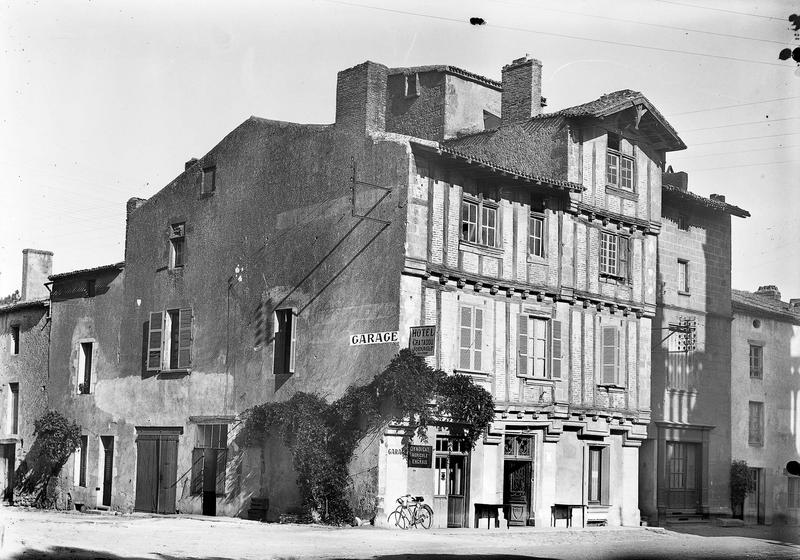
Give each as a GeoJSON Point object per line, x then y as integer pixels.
{"type": "Point", "coordinates": [522, 90]}
{"type": "Point", "coordinates": [36, 267]}
{"type": "Point", "coordinates": [189, 163]}
{"type": "Point", "coordinates": [678, 179]}
{"type": "Point", "coordinates": [361, 98]}
{"type": "Point", "coordinates": [718, 197]}
{"type": "Point", "coordinates": [770, 291]}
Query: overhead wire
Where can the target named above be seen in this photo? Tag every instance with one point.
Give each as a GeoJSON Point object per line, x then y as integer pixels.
{"type": "Point", "coordinates": [717, 10]}
{"type": "Point", "coordinates": [746, 138]}
{"type": "Point", "coordinates": [732, 106]}
{"type": "Point", "coordinates": [764, 121]}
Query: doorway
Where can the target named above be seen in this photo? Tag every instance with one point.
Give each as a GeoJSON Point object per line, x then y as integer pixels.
{"type": "Point", "coordinates": [7, 454]}
{"type": "Point", "coordinates": [107, 444]}
{"type": "Point", "coordinates": [754, 501]}
{"type": "Point", "coordinates": [683, 477]}
{"type": "Point", "coordinates": [156, 469]}
{"type": "Point", "coordinates": [518, 478]}
{"type": "Point", "coordinates": [451, 468]}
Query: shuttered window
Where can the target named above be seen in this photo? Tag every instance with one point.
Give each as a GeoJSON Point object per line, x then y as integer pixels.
{"type": "Point", "coordinates": [479, 222]}
{"type": "Point", "coordinates": [471, 338]}
{"type": "Point", "coordinates": [556, 358]}
{"type": "Point", "coordinates": [756, 423]}
{"type": "Point", "coordinates": [169, 345]}
{"type": "Point", "coordinates": [614, 255]}
{"type": "Point", "coordinates": [610, 354]}
{"type": "Point", "coordinates": [533, 342]}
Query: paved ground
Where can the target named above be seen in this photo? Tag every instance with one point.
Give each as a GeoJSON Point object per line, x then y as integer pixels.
{"type": "Point", "coordinates": [33, 534]}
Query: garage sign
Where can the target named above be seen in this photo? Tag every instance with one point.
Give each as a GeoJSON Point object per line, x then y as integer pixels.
{"type": "Point", "coordinates": [373, 338]}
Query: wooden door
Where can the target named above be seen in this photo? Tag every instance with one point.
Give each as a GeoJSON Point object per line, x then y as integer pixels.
{"type": "Point", "coordinates": [167, 475]}
{"type": "Point", "coordinates": [683, 476]}
{"type": "Point", "coordinates": [209, 481]}
{"type": "Point", "coordinates": [108, 467]}
{"type": "Point", "coordinates": [517, 490]}
{"type": "Point", "coordinates": [147, 451]}
{"type": "Point", "coordinates": [156, 469]}
{"type": "Point", "coordinates": [456, 485]}
{"type": "Point", "coordinates": [7, 453]}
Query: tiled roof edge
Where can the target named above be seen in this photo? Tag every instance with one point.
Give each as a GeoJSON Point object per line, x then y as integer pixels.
{"type": "Point", "coordinates": [452, 70]}
{"type": "Point", "coordinates": [745, 300]}
{"type": "Point", "coordinates": [22, 304]}
{"type": "Point", "coordinates": [103, 268]}
{"type": "Point", "coordinates": [707, 202]}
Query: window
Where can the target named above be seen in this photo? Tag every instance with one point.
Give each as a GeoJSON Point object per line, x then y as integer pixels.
{"type": "Point", "coordinates": [537, 358]}
{"type": "Point", "coordinates": [412, 85]}
{"type": "Point", "coordinates": [536, 236]}
{"type": "Point", "coordinates": [683, 276]}
{"type": "Point", "coordinates": [13, 408]}
{"type": "Point", "coordinates": [15, 339]}
{"type": "Point", "coordinates": [285, 341]}
{"type": "Point", "coordinates": [209, 184]}
{"type": "Point", "coordinates": [610, 356]}
{"type": "Point", "coordinates": [683, 222]}
{"type": "Point", "coordinates": [756, 427]}
{"type": "Point", "coordinates": [209, 458]}
{"type": "Point", "coordinates": [85, 367]}
{"type": "Point", "coordinates": [79, 469]}
{"type": "Point", "coordinates": [470, 338]}
{"type": "Point", "coordinates": [177, 240]}
{"type": "Point", "coordinates": [756, 361]}
{"type": "Point", "coordinates": [614, 251]}
{"type": "Point", "coordinates": [619, 168]}
{"type": "Point", "coordinates": [479, 222]}
{"type": "Point", "coordinates": [169, 345]}
{"type": "Point", "coordinates": [91, 287]}
{"type": "Point", "coordinates": [793, 491]}
{"type": "Point", "coordinates": [597, 491]}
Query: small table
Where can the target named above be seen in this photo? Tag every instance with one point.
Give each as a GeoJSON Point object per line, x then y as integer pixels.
{"type": "Point", "coordinates": [489, 511]}
{"type": "Point", "coordinates": [564, 511]}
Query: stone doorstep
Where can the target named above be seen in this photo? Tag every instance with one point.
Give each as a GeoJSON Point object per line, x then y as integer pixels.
{"type": "Point", "coordinates": [728, 522]}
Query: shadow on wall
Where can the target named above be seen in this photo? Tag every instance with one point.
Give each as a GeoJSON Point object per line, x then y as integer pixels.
{"type": "Point", "coordinates": [35, 483]}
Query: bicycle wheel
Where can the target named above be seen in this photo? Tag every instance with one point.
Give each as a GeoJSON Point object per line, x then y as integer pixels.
{"type": "Point", "coordinates": [397, 519]}
{"type": "Point", "coordinates": [425, 517]}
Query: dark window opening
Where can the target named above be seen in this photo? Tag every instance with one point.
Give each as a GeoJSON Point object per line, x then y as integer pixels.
{"type": "Point", "coordinates": [91, 287]}
{"type": "Point", "coordinates": [14, 387]}
{"type": "Point", "coordinates": [285, 336]}
{"type": "Point", "coordinates": [209, 458]}
{"type": "Point", "coordinates": [177, 240]}
{"type": "Point", "coordinates": [85, 368]}
{"type": "Point", "coordinates": [209, 180]}
{"type": "Point", "coordinates": [15, 339]}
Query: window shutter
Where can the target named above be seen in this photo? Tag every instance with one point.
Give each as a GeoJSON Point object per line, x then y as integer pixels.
{"type": "Point", "coordinates": [477, 339]}
{"type": "Point", "coordinates": [197, 470]}
{"type": "Point", "coordinates": [610, 342]}
{"type": "Point", "coordinates": [280, 365]}
{"type": "Point", "coordinates": [292, 325]}
{"type": "Point", "coordinates": [522, 345]}
{"type": "Point", "coordinates": [623, 248]}
{"type": "Point", "coordinates": [605, 471]}
{"type": "Point", "coordinates": [222, 459]}
{"type": "Point", "coordinates": [465, 337]}
{"type": "Point", "coordinates": [185, 339]}
{"type": "Point", "coordinates": [555, 368]}
{"type": "Point", "coordinates": [155, 340]}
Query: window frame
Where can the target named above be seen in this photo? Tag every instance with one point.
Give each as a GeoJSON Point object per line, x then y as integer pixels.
{"type": "Point", "coordinates": [597, 493]}
{"type": "Point", "coordinates": [208, 171]}
{"type": "Point", "coordinates": [756, 372]}
{"type": "Point", "coordinates": [479, 235]}
{"type": "Point", "coordinates": [13, 407]}
{"type": "Point", "coordinates": [614, 366]}
{"type": "Point", "coordinates": [611, 266]}
{"type": "Point", "coordinates": [219, 450]}
{"type": "Point", "coordinates": [177, 246]}
{"type": "Point", "coordinates": [474, 352]}
{"type": "Point", "coordinates": [683, 287]}
{"type": "Point", "coordinates": [288, 357]}
{"type": "Point", "coordinates": [161, 336]}
{"type": "Point", "coordinates": [16, 335]}
{"type": "Point", "coordinates": [80, 465]}
{"type": "Point", "coordinates": [533, 218]}
{"type": "Point", "coordinates": [84, 386]}
{"type": "Point", "coordinates": [755, 430]}
{"type": "Point", "coordinates": [621, 161]}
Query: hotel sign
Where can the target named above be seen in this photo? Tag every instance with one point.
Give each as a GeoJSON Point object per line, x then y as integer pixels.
{"type": "Point", "coordinates": [373, 338]}
{"type": "Point", "coordinates": [422, 340]}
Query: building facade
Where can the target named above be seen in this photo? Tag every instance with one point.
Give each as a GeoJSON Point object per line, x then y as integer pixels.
{"type": "Point", "coordinates": [24, 341]}
{"type": "Point", "coordinates": [765, 385]}
{"type": "Point", "coordinates": [686, 459]}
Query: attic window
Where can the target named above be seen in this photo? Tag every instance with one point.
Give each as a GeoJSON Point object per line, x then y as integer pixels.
{"type": "Point", "coordinates": [619, 168]}
{"type": "Point", "coordinates": [209, 180]}
{"type": "Point", "coordinates": [412, 85]}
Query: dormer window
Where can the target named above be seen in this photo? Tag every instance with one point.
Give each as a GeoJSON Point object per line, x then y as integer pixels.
{"type": "Point", "coordinates": [619, 167]}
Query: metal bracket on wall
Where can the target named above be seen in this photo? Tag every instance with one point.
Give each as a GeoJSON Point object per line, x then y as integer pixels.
{"type": "Point", "coordinates": [353, 182]}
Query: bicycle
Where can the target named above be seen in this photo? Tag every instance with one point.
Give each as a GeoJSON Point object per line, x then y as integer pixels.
{"type": "Point", "coordinates": [411, 512]}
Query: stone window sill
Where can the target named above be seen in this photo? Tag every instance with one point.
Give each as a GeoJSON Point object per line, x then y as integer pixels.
{"type": "Point", "coordinates": [622, 193]}
{"type": "Point", "coordinates": [478, 248]}
{"type": "Point", "coordinates": [612, 387]}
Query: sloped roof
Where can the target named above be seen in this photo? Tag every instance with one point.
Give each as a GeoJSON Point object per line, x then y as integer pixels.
{"type": "Point", "coordinates": [23, 304]}
{"type": "Point", "coordinates": [103, 268]}
{"type": "Point", "coordinates": [749, 301]}
{"type": "Point", "coordinates": [692, 198]}
{"type": "Point", "coordinates": [451, 70]}
{"type": "Point", "coordinates": [617, 101]}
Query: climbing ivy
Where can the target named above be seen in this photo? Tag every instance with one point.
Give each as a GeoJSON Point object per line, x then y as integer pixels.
{"type": "Point", "coordinates": [322, 436]}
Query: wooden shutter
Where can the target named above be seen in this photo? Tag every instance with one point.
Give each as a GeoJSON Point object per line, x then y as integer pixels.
{"type": "Point", "coordinates": [222, 459]}
{"type": "Point", "coordinates": [465, 337]}
{"type": "Point", "coordinates": [477, 339]}
{"type": "Point", "coordinates": [291, 325]}
{"type": "Point", "coordinates": [623, 256]}
{"type": "Point", "coordinates": [155, 341]}
{"type": "Point", "coordinates": [279, 358]}
{"type": "Point", "coordinates": [610, 354]}
{"type": "Point", "coordinates": [522, 345]}
{"type": "Point", "coordinates": [197, 470]}
{"type": "Point", "coordinates": [184, 338]}
{"type": "Point", "coordinates": [605, 472]}
{"type": "Point", "coordinates": [555, 350]}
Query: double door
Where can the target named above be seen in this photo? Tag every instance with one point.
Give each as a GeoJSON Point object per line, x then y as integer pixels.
{"type": "Point", "coordinates": [156, 469]}
{"type": "Point", "coordinates": [683, 477]}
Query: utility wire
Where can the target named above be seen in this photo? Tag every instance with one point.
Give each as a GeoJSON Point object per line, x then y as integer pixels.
{"type": "Point", "coordinates": [765, 121]}
{"type": "Point", "coordinates": [771, 148]}
{"type": "Point", "coordinates": [747, 165]}
{"type": "Point", "coordinates": [731, 106]}
{"type": "Point", "coordinates": [561, 35]}
{"type": "Point", "coordinates": [659, 25]}
{"type": "Point", "coordinates": [717, 10]}
{"type": "Point", "coordinates": [747, 138]}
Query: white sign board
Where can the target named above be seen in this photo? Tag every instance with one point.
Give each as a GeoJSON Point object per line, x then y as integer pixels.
{"type": "Point", "coordinates": [373, 338]}
{"type": "Point", "coordinates": [422, 340]}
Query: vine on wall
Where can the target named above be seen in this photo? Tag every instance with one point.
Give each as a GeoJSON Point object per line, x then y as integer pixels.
{"type": "Point", "coordinates": [322, 437]}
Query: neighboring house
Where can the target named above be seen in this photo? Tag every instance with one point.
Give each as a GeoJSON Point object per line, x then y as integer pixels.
{"type": "Point", "coordinates": [24, 339]}
{"type": "Point", "coordinates": [685, 462]}
{"type": "Point", "coordinates": [765, 401]}
{"type": "Point", "coordinates": [86, 307]}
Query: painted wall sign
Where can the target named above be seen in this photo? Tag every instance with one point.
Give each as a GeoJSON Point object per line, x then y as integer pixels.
{"type": "Point", "coordinates": [420, 456]}
{"type": "Point", "coordinates": [422, 340]}
{"type": "Point", "coordinates": [373, 338]}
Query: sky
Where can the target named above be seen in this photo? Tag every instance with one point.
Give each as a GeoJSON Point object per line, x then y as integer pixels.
{"type": "Point", "coordinates": [104, 100]}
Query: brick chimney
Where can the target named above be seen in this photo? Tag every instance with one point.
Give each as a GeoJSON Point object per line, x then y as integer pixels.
{"type": "Point", "coordinates": [718, 197]}
{"type": "Point", "coordinates": [36, 267]}
{"type": "Point", "coordinates": [361, 98]}
{"type": "Point", "coordinates": [678, 179]}
{"type": "Point", "coordinates": [769, 291]}
{"type": "Point", "coordinates": [522, 90]}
